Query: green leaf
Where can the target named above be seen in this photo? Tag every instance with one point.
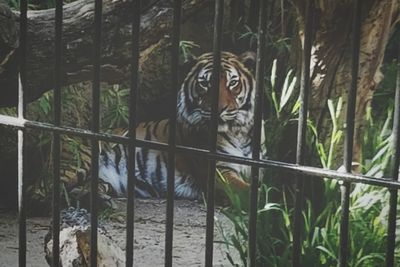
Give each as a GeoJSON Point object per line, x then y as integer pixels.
{"type": "Point", "coordinates": [288, 93]}
{"type": "Point", "coordinates": [273, 74]}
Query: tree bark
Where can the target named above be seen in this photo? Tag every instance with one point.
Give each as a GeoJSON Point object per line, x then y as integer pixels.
{"type": "Point", "coordinates": [331, 56]}
{"type": "Point", "coordinates": [156, 23]}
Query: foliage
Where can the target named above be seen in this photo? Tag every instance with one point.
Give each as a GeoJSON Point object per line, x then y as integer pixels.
{"type": "Point", "coordinates": [368, 218]}
{"type": "Point", "coordinates": [186, 50]}
{"type": "Point", "coordinates": [285, 108]}
{"type": "Point", "coordinates": [320, 233]}
{"type": "Point", "coordinates": [249, 35]}
{"type": "Point", "coordinates": [116, 109]}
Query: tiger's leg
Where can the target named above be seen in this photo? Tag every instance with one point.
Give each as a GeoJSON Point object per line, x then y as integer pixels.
{"type": "Point", "coordinates": [234, 179]}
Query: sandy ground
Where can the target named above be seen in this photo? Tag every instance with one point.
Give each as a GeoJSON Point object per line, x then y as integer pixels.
{"type": "Point", "coordinates": [189, 235]}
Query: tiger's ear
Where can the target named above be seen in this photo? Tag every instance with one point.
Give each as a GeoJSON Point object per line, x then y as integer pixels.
{"type": "Point", "coordinates": [248, 59]}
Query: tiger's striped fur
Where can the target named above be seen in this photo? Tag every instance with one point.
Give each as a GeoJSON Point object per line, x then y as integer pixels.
{"type": "Point", "coordinates": [235, 131]}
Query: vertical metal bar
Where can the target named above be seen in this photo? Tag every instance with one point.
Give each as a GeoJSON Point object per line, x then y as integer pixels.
{"type": "Point", "coordinates": [302, 130]}
{"type": "Point", "coordinates": [391, 232]}
{"type": "Point", "coordinates": [218, 21]}
{"type": "Point", "coordinates": [56, 136]}
{"type": "Point", "coordinates": [132, 133]}
{"type": "Point", "coordinates": [172, 134]}
{"type": "Point", "coordinates": [256, 146]}
{"type": "Point", "coordinates": [21, 134]}
{"type": "Point", "coordinates": [95, 127]}
{"type": "Point", "coordinates": [348, 149]}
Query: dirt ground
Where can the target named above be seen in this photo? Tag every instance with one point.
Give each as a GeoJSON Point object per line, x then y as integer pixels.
{"type": "Point", "coordinates": [189, 235]}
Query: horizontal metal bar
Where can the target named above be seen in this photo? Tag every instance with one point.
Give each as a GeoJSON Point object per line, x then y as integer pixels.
{"type": "Point", "coordinates": [262, 163]}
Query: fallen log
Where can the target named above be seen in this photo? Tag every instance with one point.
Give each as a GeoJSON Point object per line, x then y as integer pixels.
{"type": "Point", "coordinates": [155, 28]}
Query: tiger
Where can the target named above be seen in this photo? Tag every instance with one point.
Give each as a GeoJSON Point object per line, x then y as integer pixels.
{"type": "Point", "coordinates": [234, 134]}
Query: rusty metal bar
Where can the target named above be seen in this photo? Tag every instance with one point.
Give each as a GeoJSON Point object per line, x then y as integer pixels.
{"type": "Point", "coordinates": [348, 149]}
{"type": "Point", "coordinates": [176, 31]}
{"type": "Point", "coordinates": [134, 89]}
{"type": "Point", "coordinates": [56, 136]}
{"type": "Point", "coordinates": [299, 169]}
{"type": "Point", "coordinates": [95, 127]}
{"type": "Point", "coordinates": [302, 131]}
{"type": "Point", "coordinates": [21, 134]}
{"type": "Point", "coordinates": [218, 22]}
{"type": "Point", "coordinates": [391, 231]}
{"type": "Point", "coordinates": [256, 146]}
{"type": "Point", "coordinates": [262, 163]}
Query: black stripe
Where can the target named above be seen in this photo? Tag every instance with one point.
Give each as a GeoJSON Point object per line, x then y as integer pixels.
{"type": "Point", "coordinates": [226, 137]}
{"type": "Point", "coordinates": [144, 186]}
{"type": "Point", "coordinates": [183, 179]}
{"type": "Point", "coordinates": [117, 159]}
{"type": "Point", "coordinates": [188, 85]}
{"type": "Point", "coordinates": [145, 151]}
{"type": "Point", "coordinates": [166, 129]}
{"type": "Point", "coordinates": [123, 190]}
{"type": "Point", "coordinates": [158, 174]}
{"type": "Point", "coordinates": [225, 168]}
{"type": "Point", "coordinates": [155, 127]}
{"type": "Point", "coordinates": [188, 104]}
{"type": "Point", "coordinates": [164, 157]}
{"type": "Point", "coordinates": [248, 103]}
{"type": "Point", "coordinates": [105, 158]}
{"type": "Point", "coordinates": [140, 165]}
{"type": "Point", "coordinates": [221, 149]}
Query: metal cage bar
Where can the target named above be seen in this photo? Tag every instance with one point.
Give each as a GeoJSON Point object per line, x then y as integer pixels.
{"type": "Point", "coordinates": [299, 169]}
{"type": "Point", "coordinates": [262, 163]}
{"type": "Point", "coordinates": [218, 23]}
{"type": "Point", "coordinates": [256, 146]}
{"type": "Point", "coordinates": [348, 149]}
{"type": "Point", "coordinates": [56, 136]}
{"type": "Point", "coordinates": [134, 88]}
{"type": "Point", "coordinates": [95, 127]}
{"type": "Point", "coordinates": [391, 231]}
{"type": "Point", "coordinates": [302, 131]}
{"type": "Point", "coordinates": [169, 231]}
{"type": "Point", "coordinates": [21, 134]}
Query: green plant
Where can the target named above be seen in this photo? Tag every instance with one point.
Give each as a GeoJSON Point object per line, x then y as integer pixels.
{"type": "Point", "coordinates": [321, 228]}
{"type": "Point", "coordinates": [249, 35]}
{"type": "Point", "coordinates": [186, 50]}
{"type": "Point", "coordinates": [238, 215]}
{"type": "Point", "coordinates": [284, 109]}
{"type": "Point", "coordinates": [116, 109]}
{"type": "Point", "coordinates": [286, 92]}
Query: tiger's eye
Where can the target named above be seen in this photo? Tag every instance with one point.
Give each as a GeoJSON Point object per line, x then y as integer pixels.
{"type": "Point", "coordinates": [203, 83]}
{"type": "Point", "coordinates": [233, 83]}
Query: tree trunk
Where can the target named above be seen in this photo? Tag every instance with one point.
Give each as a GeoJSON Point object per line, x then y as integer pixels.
{"type": "Point", "coordinates": [331, 56]}
{"type": "Point", "coordinates": [156, 23]}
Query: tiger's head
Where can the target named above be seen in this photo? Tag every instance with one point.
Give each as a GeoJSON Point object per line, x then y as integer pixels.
{"type": "Point", "coordinates": [236, 92]}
